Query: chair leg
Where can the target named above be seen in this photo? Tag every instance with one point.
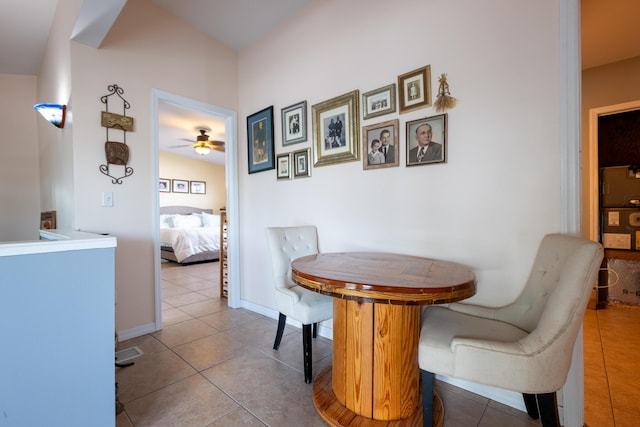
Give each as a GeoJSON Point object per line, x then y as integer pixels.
{"type": "Point", "coordinates": [306, 346]}
{"type": "Point", "coordinates": [282, 321]}
{"type": "Point", "coordinates": [531, 404]}
{"type": "Point", "coordinates": [315, 330]}
{"type": "Point", "coordinates": [427, 398]}
{"type": "Point", "coordinates": [548, 404]}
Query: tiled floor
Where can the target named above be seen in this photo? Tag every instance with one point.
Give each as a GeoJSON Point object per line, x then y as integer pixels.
{"type": "Point", "coordinates": [214, 366]}
{"type": "Point", "coordinates": [611, 367]}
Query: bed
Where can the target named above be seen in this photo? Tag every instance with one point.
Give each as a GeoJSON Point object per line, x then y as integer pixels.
{"type": "Point", "coordinates": [189, 234]}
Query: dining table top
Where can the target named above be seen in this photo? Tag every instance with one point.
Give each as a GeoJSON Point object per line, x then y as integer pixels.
{"type": "Point", "coordinates": [384, 277]}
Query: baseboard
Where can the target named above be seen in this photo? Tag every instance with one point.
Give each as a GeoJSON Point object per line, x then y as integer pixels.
{"type": "Point", "coordinates": [506, 397]}
{"type": "Point", "coordinates": [323, 329]}
{"type": "Point", "coordinates": [127, 334]}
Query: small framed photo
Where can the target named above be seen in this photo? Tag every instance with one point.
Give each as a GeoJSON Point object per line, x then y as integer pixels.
{"type": "Point", "coordinates": [164, 185]}
{"type": "Point", "coordinates": [301, 168]}
{"type": "Point", "coordinates": [380, 143]}
{"type": "Point", "coordinates": [284, 166]}
{"type": "Point", "coordinates": [379, 102]}
{"type": "Point", "coordinates": [414, 89]}
{"type": "Point", "coordinates": [179, 186]}
{"type": "Point", "coordinates": [336, 130]}
{"type": "Point", "coordinates": [48, 220]}
{"type": "Point", "coordinates": [294, 123]}
{"type": "Point", "coordinates": [198, 187]}
{"type": "Point", "coordinates": [260, 140]}
{"type": "Point", "coordinates": [427, 140]}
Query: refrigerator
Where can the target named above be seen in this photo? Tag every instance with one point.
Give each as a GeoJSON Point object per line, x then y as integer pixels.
{"type": "Point", "coordinates": [620, 232]}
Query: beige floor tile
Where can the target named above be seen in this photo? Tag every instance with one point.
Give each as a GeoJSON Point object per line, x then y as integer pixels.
{"type": "Point", "coordinates": [199, 285]}
{"type": "Point", "coordinates": [204, 308]}
{"type": "Point", "coordinates": [172, 291]}
{"type": "Point", "coordinates": [122, 420]}
{"type": "Point", "coordinates": [150, 373]}
{"type": "Point", "coordinates": [208, 351]}
{"type": "Point", "coordinates": [174, 315]}
{"type": "Point", "coordinates": [493, 417]}
{"type": "Point", "coordinates": [214, 293]}
{"type": "Point", "coordinates": [286, 404]}
{"type": "Point", "coordinates": [190, 402]}
{"type": "Point", "coordinates": [184, 332]}
{"type": "Point", "coordinates": [147, 343]}
{"type": "Point", "coordinates": [239, 417]}
{"type": "Point", "coordinates": [230, 318]}
{"type": "Point", "coordinates": [249, 375]}
{"type": "Point", "coordinates": [185, 299]}
{"type": "Point", "coordinates": [459, 410]}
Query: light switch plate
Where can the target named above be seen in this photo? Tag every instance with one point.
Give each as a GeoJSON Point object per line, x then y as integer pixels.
{"type": "Point", "coordinates": [107, 198]}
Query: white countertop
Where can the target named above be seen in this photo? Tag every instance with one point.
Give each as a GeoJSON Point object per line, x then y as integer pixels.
{"type": "Point", "coordinates": [58, 241]}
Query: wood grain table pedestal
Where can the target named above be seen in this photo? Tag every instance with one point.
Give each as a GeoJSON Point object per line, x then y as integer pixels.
{"type": "Point", "coordinates": [375, 377]}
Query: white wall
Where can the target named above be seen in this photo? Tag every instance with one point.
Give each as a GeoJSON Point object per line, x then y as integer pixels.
{"type": "Point", "coordinates": [19, 169]}
{"type": "Point", "coordinates": [499, 192]}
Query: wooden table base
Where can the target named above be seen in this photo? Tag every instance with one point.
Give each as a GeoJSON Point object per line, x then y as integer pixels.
{"type": "Point", "coordinates": [337, 415]}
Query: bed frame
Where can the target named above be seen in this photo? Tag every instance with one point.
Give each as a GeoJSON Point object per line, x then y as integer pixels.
{"type": "Point", "coordinates": [166, 252]}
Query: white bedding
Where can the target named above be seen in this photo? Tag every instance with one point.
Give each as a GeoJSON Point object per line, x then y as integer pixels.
{"type": "Point", "coordinates": [190, 241]}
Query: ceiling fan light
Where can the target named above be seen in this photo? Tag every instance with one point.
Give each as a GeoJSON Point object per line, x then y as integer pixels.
{"type": "Point", "coordinates": [202, 148]}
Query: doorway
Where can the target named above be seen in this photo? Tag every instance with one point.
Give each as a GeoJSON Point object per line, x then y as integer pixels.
{"type": "Point", "coordinates": [231, 178]}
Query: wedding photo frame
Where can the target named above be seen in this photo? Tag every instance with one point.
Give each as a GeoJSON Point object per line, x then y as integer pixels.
{"type": "Point", "coordinates": [379, 102]}
{"type": "Point", "coordinates": [432, 133]}
{"type": "Point", "coordinates": [336, 129]}
{"type": "Point", "coordinates": [284, 166]}
{"type": "Point", "coordinates": [385, 137]}
{"type": "Point", "coordinates": [294, 123]}
{"type": "Point", "coordinates": [414, 89]}
{"type": "Point", "coordinates": [301, 168]}
{"type": "Point", "coordinates": [260, 140]}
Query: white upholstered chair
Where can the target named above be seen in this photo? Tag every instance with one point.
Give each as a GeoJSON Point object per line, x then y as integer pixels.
{"type": "Point", "coordinates": [307, 307]}
{"type": "Point", "coordinates": [526, 346]}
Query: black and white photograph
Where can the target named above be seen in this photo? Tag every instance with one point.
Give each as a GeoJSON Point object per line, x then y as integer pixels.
{"type": "Point", "coordinates": [379, 102]}
{"type": "Point", "coordinates": [283, 166]}
{"type": "Point", "coordinates": [336, 129]}
{"type": "Point", "coordinates": [294, 123]}
{"type": "Point", "coordinates": [414, 89]}
{"type": "Point", "coordinates": [180, 186]}
{"type": "Point", "coordinates": [164, 185]}
{"type": "Point", "coordinates": [301, 168]}
{"type": "Point", "coordinates": [198, 187]}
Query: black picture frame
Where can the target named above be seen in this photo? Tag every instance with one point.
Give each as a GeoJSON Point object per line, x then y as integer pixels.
{"type": "Point", "coordinates": [164, 185]}
{"type": "Point", "coordinates": [260, 141]}
{"type": "Point", "coordinates": [198, 187]}
{"type": "Point", "coordinates": [434, 154]}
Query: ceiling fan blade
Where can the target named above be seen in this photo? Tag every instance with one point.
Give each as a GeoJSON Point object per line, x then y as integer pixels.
{"type": "Point", "coordinates": [187, 139]}
{"type": "Point", "coordinates": [181, 146]}
{"type": "Point", "coordinates": [214, 142]}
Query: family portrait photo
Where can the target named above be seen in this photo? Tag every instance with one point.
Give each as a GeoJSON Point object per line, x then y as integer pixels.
{"type": "Point", "coordinates": [380, 143]}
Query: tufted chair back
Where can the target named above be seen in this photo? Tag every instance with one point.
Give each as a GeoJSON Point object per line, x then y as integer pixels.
{"type": "Point", "coordinates": [287, 244]}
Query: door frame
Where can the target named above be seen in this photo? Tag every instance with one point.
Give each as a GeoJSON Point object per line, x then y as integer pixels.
{"type": "Point", "coordinates": [231, 182]}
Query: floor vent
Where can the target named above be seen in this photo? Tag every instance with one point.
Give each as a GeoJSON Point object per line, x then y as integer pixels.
{"type": "Point", "coordinates": [128, 354]}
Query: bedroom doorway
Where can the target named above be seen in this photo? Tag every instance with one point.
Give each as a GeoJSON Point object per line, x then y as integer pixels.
{"type": "Point", "coordinates": [231, 178]}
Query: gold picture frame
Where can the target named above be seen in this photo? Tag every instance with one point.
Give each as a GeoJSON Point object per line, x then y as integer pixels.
{"type": "Point", "coordinates": [414, 89]}
{"type": "Point", "coordinates": [283, 168]}
{"type": "Point", "coordinates": [379, 102]}
{"type": "Point", "coordinates": [385, 134]}
{"type": "Point", "coordinates": [336, 130]}
{"type": "Point", "coordinates": [48, 220]}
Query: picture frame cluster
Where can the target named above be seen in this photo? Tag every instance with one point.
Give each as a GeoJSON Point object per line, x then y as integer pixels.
{"type": "Point", "coordinates": [166, 185]}
{"type": "Point", "coordinates": [337, 136]}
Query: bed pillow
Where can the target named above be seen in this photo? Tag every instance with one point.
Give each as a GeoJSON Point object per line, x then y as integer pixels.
{"type": "Point", "coordinates": [166, 221]}
{"type": "Point", "coordinates": [187, 221]}
{"type": "Point", "coordinates": [211, 220]}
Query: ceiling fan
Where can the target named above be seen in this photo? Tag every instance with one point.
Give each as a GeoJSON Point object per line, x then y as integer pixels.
{"type": "Point", "coordinates": [203, 145]}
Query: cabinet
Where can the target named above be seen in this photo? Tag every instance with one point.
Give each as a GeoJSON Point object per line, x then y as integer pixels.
{"type": "Point", "coordinates": [224, 266]}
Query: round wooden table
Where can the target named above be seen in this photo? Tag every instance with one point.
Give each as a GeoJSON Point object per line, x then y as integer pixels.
{"type": "Point", "coordinates": [376, 327]}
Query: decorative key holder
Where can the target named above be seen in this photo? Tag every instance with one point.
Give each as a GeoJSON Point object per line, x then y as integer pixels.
{"type": "Point", "coordinates": [117, 153]}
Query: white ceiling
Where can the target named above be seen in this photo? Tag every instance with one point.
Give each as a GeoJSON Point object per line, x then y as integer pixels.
{"type": "Point", "coordinates": [610, 32]}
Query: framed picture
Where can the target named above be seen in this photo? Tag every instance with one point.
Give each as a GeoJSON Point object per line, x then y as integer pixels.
{"type": "Point", "coordinates": [414, 89]}
{"type": "Point", "coordinates": [380, 143]}
{"type": "Point", "coordinates": [179, 186]}
{"type": "Point", "coordinates": [260, 140]}
{"type": "Point", "coordinates": [379, 102]}
{"type": "Point", "coordinates": [284, 166]}
{"type": "Point", "coordinates": [336, 130]}
{"type": "Point", "coordinates": [427, 140]}
{"type": "Point", "coordinates": [294, 123]}
{"type": "Point", "coordinates": [164, 185]}
{"type": "Point", "coordinates": [198, 187]}
{"type": "Point", "coordinates": [48, 220]}
{"type": "Point", "coordinates": [301, 168]}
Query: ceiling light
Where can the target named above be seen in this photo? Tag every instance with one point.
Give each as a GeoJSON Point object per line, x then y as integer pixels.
{"type": "Point", "coordinates": [202, 148]}
{"type": "Point", "coordinates": [54, 113]}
